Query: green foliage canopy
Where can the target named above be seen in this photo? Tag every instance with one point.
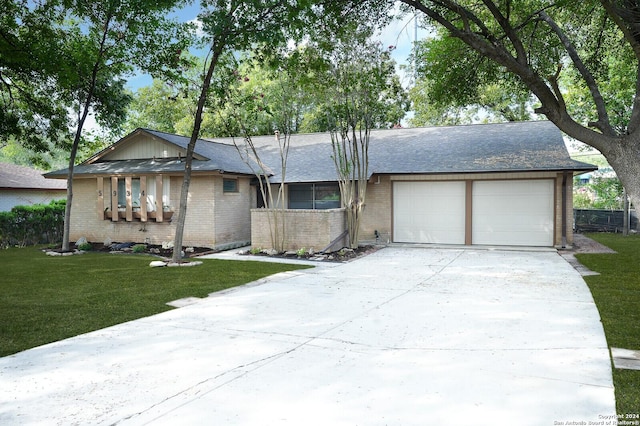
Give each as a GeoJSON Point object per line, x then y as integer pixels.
{"type": "Point", "coordinates": [580, 60]}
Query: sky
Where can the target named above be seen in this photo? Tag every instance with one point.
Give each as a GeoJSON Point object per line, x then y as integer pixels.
{"type": "Point", "coordinates": [399, 33]}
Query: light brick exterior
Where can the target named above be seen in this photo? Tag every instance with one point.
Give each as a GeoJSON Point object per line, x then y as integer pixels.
{"type": "Point", "coordinates": [378, 210]}
{"type": "Point", "coordinates": [307, 229]}
{"type": "Point", "coordinates": [214, 219]}
{"type": "Point", "coordinates": [217, 219]}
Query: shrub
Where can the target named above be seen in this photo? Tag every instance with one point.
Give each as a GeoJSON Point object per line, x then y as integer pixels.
{"type": "Point", "coordinates": [30, 225]}
{"type": "Point", "coordinates": [85, 247]}
{"type": "Point", "coordinates": [139, 248]}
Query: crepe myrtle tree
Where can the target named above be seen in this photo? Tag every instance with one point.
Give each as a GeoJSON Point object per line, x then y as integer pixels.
{"type": "Point", "coordinates": [240, 103]}
{"type": "Point", "coordinates": [231, 26]}
{"type": "Point", "coordinates": [276, 100]}
{"type": "Point", "coordinates": [362, 92]}
{"type": "Point", "coordinates": [581, 61]}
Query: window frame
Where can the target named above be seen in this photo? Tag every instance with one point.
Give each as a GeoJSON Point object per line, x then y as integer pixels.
{"type": "Point", "coordinates": [314, 187]}
{"type": "Point", "coordinates": [121, 198]}
{"type": "Point", "coordinates": [236, 186]}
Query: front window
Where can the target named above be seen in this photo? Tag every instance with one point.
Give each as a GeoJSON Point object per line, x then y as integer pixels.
{"type": "Point", "coordinates": [123, 194]}
{"type": "Point", "coordinates": [135, 198]}
{"type": "Point", "coordinates": [230, 185]}
{"type": "Point", "coordinates": [314, 196]}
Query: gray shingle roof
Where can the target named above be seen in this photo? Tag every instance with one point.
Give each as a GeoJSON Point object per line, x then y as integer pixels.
{"type": "Point", "coordinates": [217, 157]}
{"type": "Point", "coordinates": [220, 156]}
{"type": "Point", "coordinates": [506, 147]}
{"type": "Point", "coordinates": [20, 177]}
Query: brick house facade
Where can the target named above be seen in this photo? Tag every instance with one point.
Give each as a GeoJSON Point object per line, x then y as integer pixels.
{"type": "Point", "coordinates": [500, 184]}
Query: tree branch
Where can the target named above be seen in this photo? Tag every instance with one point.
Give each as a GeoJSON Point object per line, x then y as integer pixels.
{"type": "Point", "coordinates": [603, 123]}
{"type": "Point", "coordinates": [486, 46]}
{"type": "Point", "coordinates": [627, 21]}
{"type": "Point", "coordinates": [552, 105]}
{"type": "Point", "coordinates": [521, 54]}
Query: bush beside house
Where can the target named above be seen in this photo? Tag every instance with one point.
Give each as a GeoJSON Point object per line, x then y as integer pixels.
{"type": "Point", "coordinates": [34, 224]}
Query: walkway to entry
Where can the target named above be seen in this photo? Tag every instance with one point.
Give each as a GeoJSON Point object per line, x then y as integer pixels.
{"type": "Point", "coordinates": [405, 336]}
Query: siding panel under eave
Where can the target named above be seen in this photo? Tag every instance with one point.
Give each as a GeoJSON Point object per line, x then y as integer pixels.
{"type": "Point", "coordinates": [144, 148]}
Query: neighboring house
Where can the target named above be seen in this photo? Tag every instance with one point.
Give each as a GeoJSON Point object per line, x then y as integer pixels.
{"type": "Point", "coordinates": [21, 185]}
{"type": "Point", "coordinates": [493, 184]}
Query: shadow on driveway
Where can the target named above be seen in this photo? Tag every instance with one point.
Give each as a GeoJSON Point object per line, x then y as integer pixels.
{"type": "Point", "coordinates": [405, 336]}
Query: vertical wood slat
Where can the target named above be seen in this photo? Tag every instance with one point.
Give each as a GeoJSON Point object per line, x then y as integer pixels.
{"type": "Point", "coordinates": [100, 205]}
{"type": "Point", "coordinates": [114, 199]}
{"type": "Point", "coordinates": [143, 198]}
{"type": "Point", "coordinates": [159, 192]}
{"type": "Point", "coordinates": [468, 220]}
{"type": "Point", "coordinates": [128, 198]}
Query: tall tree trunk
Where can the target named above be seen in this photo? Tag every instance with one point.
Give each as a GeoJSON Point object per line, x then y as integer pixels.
{"type": "Point", "coordinates": [82, 118]}
{"type": "Point", "coordinates": [625, 160]}
{"type": "Point", "coordinates": [217, 50]}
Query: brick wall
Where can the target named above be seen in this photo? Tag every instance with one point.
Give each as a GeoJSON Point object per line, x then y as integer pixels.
{"type": "Point", "coordinates": [213, 219]}
{"type": "Point", "coordinates": [304, 228]}
{"type": "Point", "coordinates": [233, 213]}
{"type": "Point", "coordinates": [377, 211]}
{"type": "Point", "coordinates": [85, 221]}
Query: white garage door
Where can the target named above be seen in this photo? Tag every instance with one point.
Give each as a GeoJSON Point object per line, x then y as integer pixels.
{"type": "Point", "coordinates": [429, 212]}
{"type": "Point", "coordinates": [513, 212]}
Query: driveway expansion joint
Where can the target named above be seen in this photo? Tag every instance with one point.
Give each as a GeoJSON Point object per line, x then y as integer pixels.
{"type": "Point", "coordinates": [337, 345]}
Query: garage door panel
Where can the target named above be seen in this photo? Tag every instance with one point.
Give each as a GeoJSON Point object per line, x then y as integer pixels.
{"type": "Point", "coordinates": [429, 212]}
{"type": "Point", "coordinates": [513, 212]}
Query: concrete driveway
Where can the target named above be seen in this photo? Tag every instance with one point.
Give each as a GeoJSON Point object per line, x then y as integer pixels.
{"type": "Point", "coordinates": [405, 336]}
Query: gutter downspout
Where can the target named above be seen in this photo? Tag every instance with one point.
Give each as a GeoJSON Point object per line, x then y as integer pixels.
{"type": "Point", "coordinates": [564, 209]}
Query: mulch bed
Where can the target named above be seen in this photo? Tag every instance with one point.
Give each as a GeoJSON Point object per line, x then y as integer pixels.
{"type": "Point", "coordinates": [154, 249]}
{"type": "Point", "coordinates": [342, 255]}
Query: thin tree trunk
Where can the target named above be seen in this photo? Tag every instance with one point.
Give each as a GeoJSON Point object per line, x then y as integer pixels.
{"type": "Point", "coordinates": [217, 49]}
{"type": "Point", "coordinates": [66, 233]}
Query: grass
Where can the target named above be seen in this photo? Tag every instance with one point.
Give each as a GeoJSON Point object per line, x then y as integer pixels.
{"type": "Point", "coordinates": [616, 292]}
{"type": "Point", "coordinates": [44, 299]}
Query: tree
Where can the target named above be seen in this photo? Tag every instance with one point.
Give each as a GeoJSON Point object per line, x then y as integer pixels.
{"type": "Point", "coordinates": [274, 102]}
{"type": "Point", "coordinates": [158, 107]}
{"type": "Point", "coordinates": [362, 92]}
{"type": "Point", "coordinates": [600, 193]}
{"type": "Point", "coordinates": [90, 47]}
{"type": "Point", "coordinates": [107, 41]}
{"type": "Point", "coordinates": [232, 26]}
{"type": "Point", "coordinates": [579, 59]}
{"type": "Point", "coordinates": [241, 104]}
{"type": "Point", "coordinates": [487, 95]}
{"type": "Point", "coordinates": [32, 114]}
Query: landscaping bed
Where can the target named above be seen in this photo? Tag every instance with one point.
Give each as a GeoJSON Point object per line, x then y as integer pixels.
{"type": "Point", "coordinates": [166, 252]}
{"type": "Point", "coordinates": [342, 255]}
{"type": "Point", "coordinates": [131, 247]}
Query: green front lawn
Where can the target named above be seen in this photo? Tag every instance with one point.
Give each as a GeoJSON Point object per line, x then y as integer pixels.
{"type": "Point", "coordinates": [616, 292]}
{"type": "Point", "coordinates": [44, 299]}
